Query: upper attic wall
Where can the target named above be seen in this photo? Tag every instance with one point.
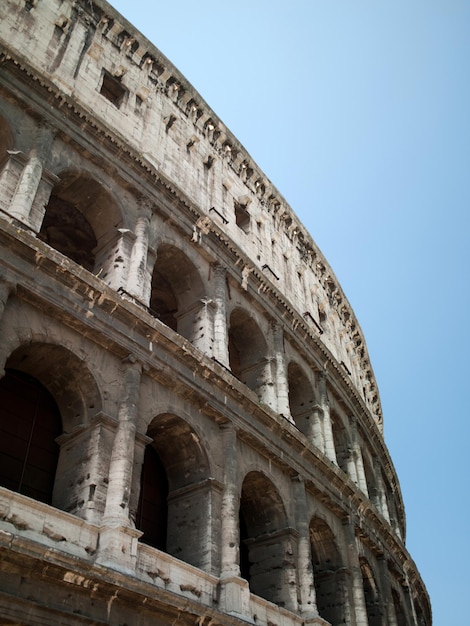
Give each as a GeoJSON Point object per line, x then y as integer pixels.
{"type": "Point", "coordinates": [92, 55]}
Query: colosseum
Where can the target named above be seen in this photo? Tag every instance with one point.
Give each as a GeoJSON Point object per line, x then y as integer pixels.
{"type": "Point", "coordinates": [191, 430]}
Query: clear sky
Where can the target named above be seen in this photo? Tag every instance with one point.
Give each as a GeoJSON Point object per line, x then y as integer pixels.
{"type": "Point", "coordinates": [359, 112]}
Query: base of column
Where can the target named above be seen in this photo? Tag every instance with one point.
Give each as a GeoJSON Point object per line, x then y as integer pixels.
{"type": "Point", "coordinates": [117, 548]}
{"type": "Point", "coordinates": [235, 597]}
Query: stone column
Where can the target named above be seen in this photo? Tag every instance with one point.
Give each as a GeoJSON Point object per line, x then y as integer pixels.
{"type": "Point", "coordinates": [6, 289]}
{"type": "Point", "coordinates": [327, 428]}
{"type": "Point", "coordinates": [118, 542]}
{"type": "Point", "coordinates": [306, 591]}
{"type": "Point", "coordinates": [234, 591]}
{"type": "Point", "coordinates": [30, 177]}
{"type": "Point", "coordinates": [122, 455]}
{"type": "Point", "coordinates": [282, 385]}
{"type": "Point", "coordinates": [357, 454]}
{"type": "Point", "coordinates": [203, 326]}
{"type": "Point", "coordinates": [138, 275]}
{"type": "Point", "coordinates": [388, 608]}
{"type": "Point", "coordinates": [409, 601]}
{"type": "Point", "coordinates": [381, 494]}
{"type": "Point", "coordinates": [315, 433]}
{"type": "Point", "coordinates": [351, 464]}
{"type": "Point", "coordinates": [220, 316]}
{"type": "Point", "coordinates": [358, 602]}
{"type": "Point", "coordinates": [230, 545]}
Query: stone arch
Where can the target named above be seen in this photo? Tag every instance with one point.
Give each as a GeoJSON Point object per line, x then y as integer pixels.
{"type": "Point", "coordinates": [266, 542]}
{"type": "Point", "coordinates": [301, 398]}
{"type": "Point", "coordinates": [329, 573]}
{"type": "Point", "coordinates": [30, 422]}
{"type": "Point", "coordinates": [176, 492]}
{"type": "Point", "coordinates": [400, 613]}
{"type": "Point", "coordinates": [81, 221]}
{"type": "Point", "coordinates": [371, 481]}
{"type": "Point", "coordinates": [176, 292]}
{"type": "Point", "coordinates": [341, 441]}
{"type": "Point", "coordinates": [71, 388]}
{"type": "Point", "coordinates": [6, 141]}
{"type": "Point", "coordinates": [248, 352]}
{"type": "Point", "coordinates": [371, 594]}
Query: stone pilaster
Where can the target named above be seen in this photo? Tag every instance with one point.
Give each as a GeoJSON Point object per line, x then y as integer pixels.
{"type": "Point", "coordinates": [315, 434]}
{"type": "Point", "coordinates": [230, 545]}
{"type": "Point", "coordinates": [358, 609]}
{"type": "Point", "coordinates": [282, 385]}
{"type": "Point", "coordinates": [306, 590]}
{"type": "Point", "coordinates": [6, 289]}
{"type": "Point", "coordinates": [122, 455]}
{"type": "Point", "coordinates": [357, 454]}
{"type": "Point", "coordinates": [31, 176]}
{"type": "Point", "coordinates": [388, 607]}
{"type": "Point", "coordinates": [381, 493]}
{"type": "Point", "coordinates": [234, 591]}
{"type": "Point", "coordinates": [329, 443]}
{"type": "Point", "coordinates": [138, 275]}
{"type": "Point", "coordinates": [220, 316]}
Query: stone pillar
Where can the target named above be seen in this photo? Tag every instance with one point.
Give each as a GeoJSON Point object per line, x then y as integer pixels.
{"type": "Point", "coordinates": [230, 557]}
{"type": "Point", "coordinates": [30, 178]}
{"type": "Point", "coordinates": [306, 585]}
{"type": "Point", "coordinates": [281, 382]}
{"type": "Point", "coordinates": [118, 541]}
{"type": "Point", "coordinates": [351, 464]}
{"type": "Point", "coordinates": [327, 427]}
{"type": "Point", "coordinates": [122, 455]}
{"type": "Point", "coordinates": [138, 276]}
{"type": "Point", "coordinates": [315, 434]}
{"type": "Point", "coordinates": [220, 316]}
{"type": "Point", "coordinates": [6, 289]}
{"type": "Point", "coordinates": [358, 602]}
{"type": "Point", "coordinates": [202, 336]}
{"type": "Point", "coordinates": [409, 601]}
{"type": "Point", "coordinates": [234, 591]}
{"type": "Point", "coordinates": [112, 260]}
{"type": "Point", "coordinates": [388, 608]}
{"type": "Point", "coordinates": [381, 494]}
{"type": "Point", "coordinates": [357, 454]}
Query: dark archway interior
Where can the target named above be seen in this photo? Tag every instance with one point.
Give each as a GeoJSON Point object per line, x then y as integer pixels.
{"type": "Point", "coordinates": [301, 397]}
{"type": "Point", "coordinates": [152, 511]}
{"type": "Point", "coordinates": [247, 349]}
{"type": "Point", "coordinates": [330, 586]}
{"type": "Point", "coordinates": [176, 290]}
{"type": "Point", "coordinates": [29, 424]}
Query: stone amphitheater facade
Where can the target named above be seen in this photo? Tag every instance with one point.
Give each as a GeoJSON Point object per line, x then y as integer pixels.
{"type": "Point", "coordinates": [191, 431]}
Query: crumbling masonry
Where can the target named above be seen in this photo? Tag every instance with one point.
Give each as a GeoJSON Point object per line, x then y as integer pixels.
{"type": "Point", "coordinates": [191, 430]}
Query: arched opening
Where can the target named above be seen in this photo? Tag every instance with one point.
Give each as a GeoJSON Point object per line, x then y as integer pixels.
{"type": "Point", "coordinates": [30, 422]}
{"type": "Point", "coordinates": [176, 493]}
{"type": "Point", "coordinates": [66, 381]}
{"type": "Point", "coordinates": [266, 544]}
{"type": "Point", "coordinates": [152, 511]}
{"type": "Point", "coordinates": [301, 398]}
{"type": "Point", "coordinates": [247, 352]}
{"type": "Point", "coordinates": [371, 482]}
{"type": "Point", "coordinates": [371, 594]}
{"type": "Point", "coordinates": [177, 290]}
{"type": "Point", "coordinates": [400, 614]}
{"type": "Point", "coordinates": [341, 442]}
{"type": "Point", "coordinates": [81, 222]}
{"type": "Point", "coordinates": [6, 142]}
{"type": "Point", "coordinates": [329, 574]}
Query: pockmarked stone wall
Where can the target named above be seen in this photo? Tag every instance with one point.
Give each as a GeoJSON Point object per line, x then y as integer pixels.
{"type": "Point", "coordinates": [191, 431]}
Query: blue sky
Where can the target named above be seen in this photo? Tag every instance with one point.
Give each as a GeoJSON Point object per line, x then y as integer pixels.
{"type": "Point", "coordinates": [359, 113]}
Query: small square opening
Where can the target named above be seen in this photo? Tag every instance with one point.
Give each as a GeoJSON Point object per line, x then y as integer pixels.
{"type": "Point", "coordinates": [112, 89]}
{"type": "Point", "coordinates": [242, 217]}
